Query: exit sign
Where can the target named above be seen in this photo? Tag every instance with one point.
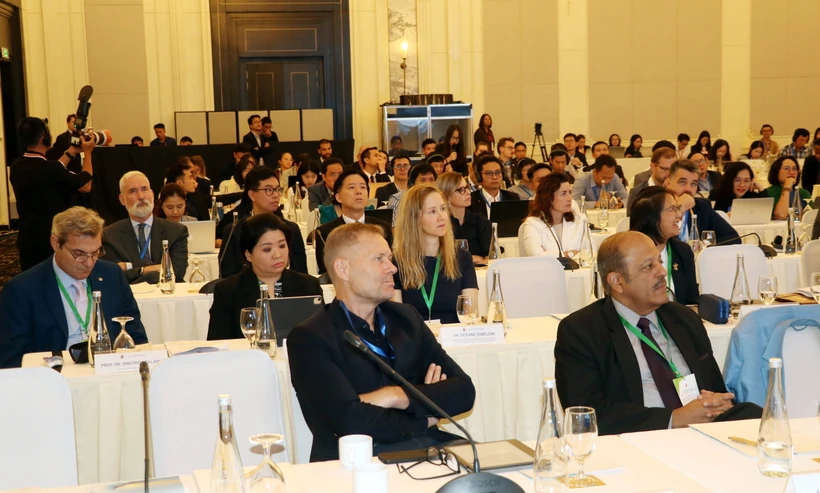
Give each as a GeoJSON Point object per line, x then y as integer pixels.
{"type": "Point", "coordinates": [4, 52]}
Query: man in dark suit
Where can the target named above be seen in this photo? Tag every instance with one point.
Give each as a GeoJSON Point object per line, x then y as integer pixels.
{"type": "Point", "coordinates": [340, 391]}
{"type": "Point", "coordinates": [319, 194]}
{"type": "Point", "coordinates": [62, 143]}
{"type": "Point", "coordinates": [47, 307]}
{"type": "Point", "coordinates": [659, 166]}
{"type": "Point", "coordinates": [621, 354]}
{"type": "Point", "coordinates": [370, 166]}
{"type": "Point", "coordinates": [490, 176]}
{"type": "Point", "coordinates": [811, 168]}
{"type": "Point", "coordinates": [401, 179]}
{"type": "Point", "coordinates": [256, 140]}
{"type": "Point", "coordinates": [351, 191]}
{"type": "Point", "coordinates": [135, 244]}
{"type": "Point", "coordinates": [683, 182]}
{"type": "Point", "coordinates": [262, 194]}
{"type": "Point", "coordinates": [228, 169]}
{"type": "Point", "coordinates": [267, 130]}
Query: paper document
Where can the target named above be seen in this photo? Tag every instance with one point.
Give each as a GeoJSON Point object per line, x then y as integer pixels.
{"type": "Point", "coordinates": [748, 429]}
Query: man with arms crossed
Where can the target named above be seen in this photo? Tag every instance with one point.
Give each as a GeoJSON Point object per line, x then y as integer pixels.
{"type": "Point", "coordinates": [341, 392]}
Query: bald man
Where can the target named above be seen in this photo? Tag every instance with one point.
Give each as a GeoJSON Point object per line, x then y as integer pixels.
{"type": "Point", "coordinates": [341, 392]}
{"type": "Point", "coordinates": [643, 362]}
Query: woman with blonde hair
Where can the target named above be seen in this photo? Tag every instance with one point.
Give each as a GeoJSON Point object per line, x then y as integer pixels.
{"type": "Point", "coordinates": [432, 273]}
{"type": "Point", "coordinates": [476, 229]}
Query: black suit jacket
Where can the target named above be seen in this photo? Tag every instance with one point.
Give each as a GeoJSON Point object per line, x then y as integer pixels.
{"type": "Point", "coordinates": [596, 366]}
{"type": "Point", "coordinates": [258, 151]}
{"type": "Point", "coordinates": [328, 375]}
{"type": "Point", "coordinates": [478, 205]}
{"type": "Point", "coordinates": [684, 277]}
{"type": "Point", "coordinates": [708, 219]}
{"type": "Point", "coordinates": [233, 259]}
{"type": "Point", "coordinates": [383, 193]}
{"type": "Point", "coordinates": [318, 195]}
{"type": "Point", "coordinates": [120, 242]}
{"type": "Point", "coordinates": [34, 318]}
{"type": "Point", "coordinates": [811, 173]}
{"type": "Point", "coordinates": [476, 230]}
{"type": "Point", "coordinates": [241, 290]}
{"type": "Point", "coordinates": [324, 230]}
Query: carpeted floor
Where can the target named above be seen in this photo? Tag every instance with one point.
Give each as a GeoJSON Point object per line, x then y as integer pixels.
{"type": "Point", "coordinates": [9, 259]}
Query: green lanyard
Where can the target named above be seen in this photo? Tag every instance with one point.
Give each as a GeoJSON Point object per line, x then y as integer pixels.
{"type": "Point", "coordinates": [83, 323]}
{"type": "Point", "coordinates": [428, 300]}
{"type": "Point", "coordinates": [668, 266]}
{"type": "Point", "coordinates": [652, 345]}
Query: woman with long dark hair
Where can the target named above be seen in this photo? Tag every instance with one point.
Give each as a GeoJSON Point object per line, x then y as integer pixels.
{"type": "Point", "coordinates": [484, 132]}
{"type": "Point", "coordinates": [784, 178]}
{"type": "Point", "coordinates": [720, 153]}
{"type": "Point", "coordinates": [453, 149]}
{"type": "Point", "coordinates": [634, 149]}
{"type": "Point", "coordinates": [738, 182]}
{"type": "Point", "coordinates": [552, 228]}
{"type": "Point", "coordinates": [703, 145]}
{"type": "Point", "coordinates": [756, 151]}
{"type": "Point", "coordinates": [171, 204]}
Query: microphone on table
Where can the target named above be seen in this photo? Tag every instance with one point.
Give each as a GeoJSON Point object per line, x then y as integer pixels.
{"type": "Point", "coordinates": [768, 251]}
{"type": "Point", "coordinates": [566, 262]}
{"type": "Point", "coordinates": [474, 482]}
{"type": "Point", "coordinates": [144, 370]}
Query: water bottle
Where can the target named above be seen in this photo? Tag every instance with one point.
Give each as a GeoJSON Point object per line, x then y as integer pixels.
{"type": "Point", "coordinates": [774, 440]}
{"type": "Point", "coordinates": [740, 288]}
{"type": "Point", "coordinates": [495, 247]}
{"type": "Point", "coordinates": [694, 236]}
{"type": "Point", "coordinates": [166, 271]}
{"type": "Point", "coordinates": [496, 312]}
{"type": "Point", "coordinates": [550, 464]}
{"type": "Point", "coordinates": [214, 210]}
{"type": "Point", "coordinates": [297, 197]}
{"type": "Point", "coordinates": [99, 342]}
{"type": "Point", "coordinates": [267, 333]}
{"type": "Point", "coordinates": [797, 205]}
{"type": "Point", "coordinates": [227, 475]}
{"type": "Point", "coordinates": [791, 236]}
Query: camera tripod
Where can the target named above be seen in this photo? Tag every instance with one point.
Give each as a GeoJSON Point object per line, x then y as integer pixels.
{"type": "Point", "coordinates": [539, 139]}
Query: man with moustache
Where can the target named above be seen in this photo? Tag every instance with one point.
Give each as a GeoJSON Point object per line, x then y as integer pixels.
{"type": "Point", "coordinates": [341, 392]}
{"type": "Point", "coordinates": [135, 244]}
{"type": "Point", "coordinates": [628, 354]}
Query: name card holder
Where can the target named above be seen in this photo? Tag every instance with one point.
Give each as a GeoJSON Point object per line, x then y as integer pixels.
{"type": "Point", "coordinates": [471, 335]}
{"type": "Point", "coordinates": [127, 361]}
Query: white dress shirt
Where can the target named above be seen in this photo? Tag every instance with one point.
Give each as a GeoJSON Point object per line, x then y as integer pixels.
{"type": "Point", "coordinates": [149, 223]}
{"type": "Point", "coordinates": [75, 332]}
{"type": "Point", "coordinates": [489, 199]}
{"type": "Point", "coordinates": [651, 396]}
{"type": "Point", "coordinates": [670, 283]}
{"type": "Point", "coordinates": [348, 220]}
{"type": "Point", "coordinates": [536, 239]}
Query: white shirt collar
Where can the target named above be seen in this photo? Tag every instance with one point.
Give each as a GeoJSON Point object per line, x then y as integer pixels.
{"type": "Point", "coordinates": [148, 222]}
{"type": "Point", "coordinates": [490, 198]}
{"type": "Point", "coordinates": [348, 220]}
{"type": "Point", "coordinates": [651, 181]}
{"type": "Point", "coordinates": [63, 277]}
{"type": "Point", "coordinates": [631, 316]}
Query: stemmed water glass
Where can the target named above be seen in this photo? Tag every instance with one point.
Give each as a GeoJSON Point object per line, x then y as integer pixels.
{"type": "Point", "coordinates": [462, 244]}
{"type": "Point", "coordinates": [707, 238]}
{"type": "Point", "coordinates": [266, 477]}
{"type": "Point", "coordinates": [767, 289]}
{"type": "Point", "coordinates": [580, 434]}
{"type": "Point", "coordinates": [603, 219]}
{"type": "Point", "coordinates": [123, 340]}
{"type": "Point", "coordinates": [466, 309]}
{"type": "Point", "coordinates": [250, 323]}
{"type": "Point", "coordinates": [814, 286]}
{"type": "Point", "coordinates": [197, 276]}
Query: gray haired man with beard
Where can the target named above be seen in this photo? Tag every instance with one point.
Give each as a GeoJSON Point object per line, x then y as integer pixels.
{"type": "Point", "coordinates": [135, 244]}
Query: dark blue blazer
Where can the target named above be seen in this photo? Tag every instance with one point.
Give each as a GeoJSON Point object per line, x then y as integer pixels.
{"type": "Point", "coordinates": [34, 319]}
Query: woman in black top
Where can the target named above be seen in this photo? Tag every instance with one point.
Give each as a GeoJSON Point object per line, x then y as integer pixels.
{"type": "Point", "coordinates": [738, 182]}
{"type": "Point", "coordinates": [484, 132]}
{"type": "Point", "coordinates": [703, 145]}
{"type": "Point", "coordinates": [264, 242]}
{"type": "Point", "coordinates": [657, 214]}
{"type": "Point", "coordinates": [466, 225]}
{"type": "Point", "coordinates": [634, 148]}
{"type": "Point", "coordinates": [453, 149]}
{"type": "Point", "coordinates": [432, 272]}
{"type": "Point", "coordinates": [720, 153]}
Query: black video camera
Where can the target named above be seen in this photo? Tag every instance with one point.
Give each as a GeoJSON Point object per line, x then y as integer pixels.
{"type": "Point", "coordinates": [100, 137]}
{"type": "Point", "coordinates": [537, 128]}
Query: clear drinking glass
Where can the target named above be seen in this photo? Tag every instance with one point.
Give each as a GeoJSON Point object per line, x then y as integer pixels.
{"type": "Point", "coordinates": [462, 244]}
{"type": "Point", "coordinates": [708, 238]}
{"type": "Point", "coordinates": [767, 289]}
{"type": "Point", "coordinates": [123, 340]}
{"type": "Point", "coordinates": [585, 256]}
{"type": "Point", "coordinates": [814, 286]}
{"type": "Point", "coordinates": [266, 477]}
{"type": "Point", "coordinates": [249, 322]}
{"type": "Point", "coordinates": [197, 276]}
{"type": "Point", "coordinates": [580, 434]}
{"type": "Point", "coordinates": [603, 218]}
{"type": "Point", "coordinates": [466, 309]}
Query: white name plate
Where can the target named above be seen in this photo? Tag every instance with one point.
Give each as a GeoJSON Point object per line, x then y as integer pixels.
{"type": "Point", "coordinates": [129, 361]}
{"type": "Point", "coordinates": [471, 335]}
{"type": "Point", "coordinates": [806, 482]}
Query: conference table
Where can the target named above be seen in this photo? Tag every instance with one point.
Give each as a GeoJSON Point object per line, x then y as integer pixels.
{"type": "Point", "coordinates": [508, 380]}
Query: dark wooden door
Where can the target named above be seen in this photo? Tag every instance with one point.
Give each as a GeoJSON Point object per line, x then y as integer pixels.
{"type": "Point", "coordinates": [283, 85]}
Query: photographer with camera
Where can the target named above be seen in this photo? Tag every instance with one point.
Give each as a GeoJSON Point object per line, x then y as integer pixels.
{"type": "Point", "coordinates": [44, 187]}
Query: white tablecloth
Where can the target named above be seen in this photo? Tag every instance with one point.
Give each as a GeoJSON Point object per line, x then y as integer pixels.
{"type": "Point", "coordinates": [766, 231]}
{"type": "Point", "coordinates": [508, 381]}
{"type": "Point", "coordinates": [715, 465]}
{"type": "Point", "coordinates": [594, 216]}
{"type": "Point", "coordinates": [208, 264]}
{"type": "Point", "coordinates": [180, 316]}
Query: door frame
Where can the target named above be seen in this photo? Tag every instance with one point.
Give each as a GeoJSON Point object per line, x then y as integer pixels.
{"type": "Point", "coordinates": [324, 92]}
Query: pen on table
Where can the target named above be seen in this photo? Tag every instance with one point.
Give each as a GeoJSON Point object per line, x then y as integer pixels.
{"type": "Point", "coordinates": [744, 441]}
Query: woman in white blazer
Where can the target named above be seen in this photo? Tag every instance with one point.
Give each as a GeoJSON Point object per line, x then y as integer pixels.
{"type": "Point", "coordinates": [553, 228]}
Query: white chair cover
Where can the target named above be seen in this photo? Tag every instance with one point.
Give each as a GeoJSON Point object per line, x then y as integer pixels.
{"type": "Point", "coordinates": [717, 267]}
{"type": "Point", "coordinates": [182, 397]}
{"type": "Point", "coordinates": [801, 372]}
{"type": "Point", "coordinates": [532, 286]}
{"type": "Point", "coordinates": [623, 225]}
{"type": "Point", "coordinates": [723, 215]}
{"type": "Point", "coordinates": [810, 261]}
{"type": "Point", "coordinates": [38, 448]}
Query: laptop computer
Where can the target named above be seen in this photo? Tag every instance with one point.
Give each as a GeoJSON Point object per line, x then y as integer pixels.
{"type": "Point", "coordinates": [751, 211]}
{"type": "Point", "coordinates": [383, 215]}
{"type": "Point", "coordinates": [617, 152]}
{"type": "Point", "coordinates": [289, 312]}
{"type": "Point", "coordinates": [201, 236]}
{"type": "Point", "coordinates": [509, 214]}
